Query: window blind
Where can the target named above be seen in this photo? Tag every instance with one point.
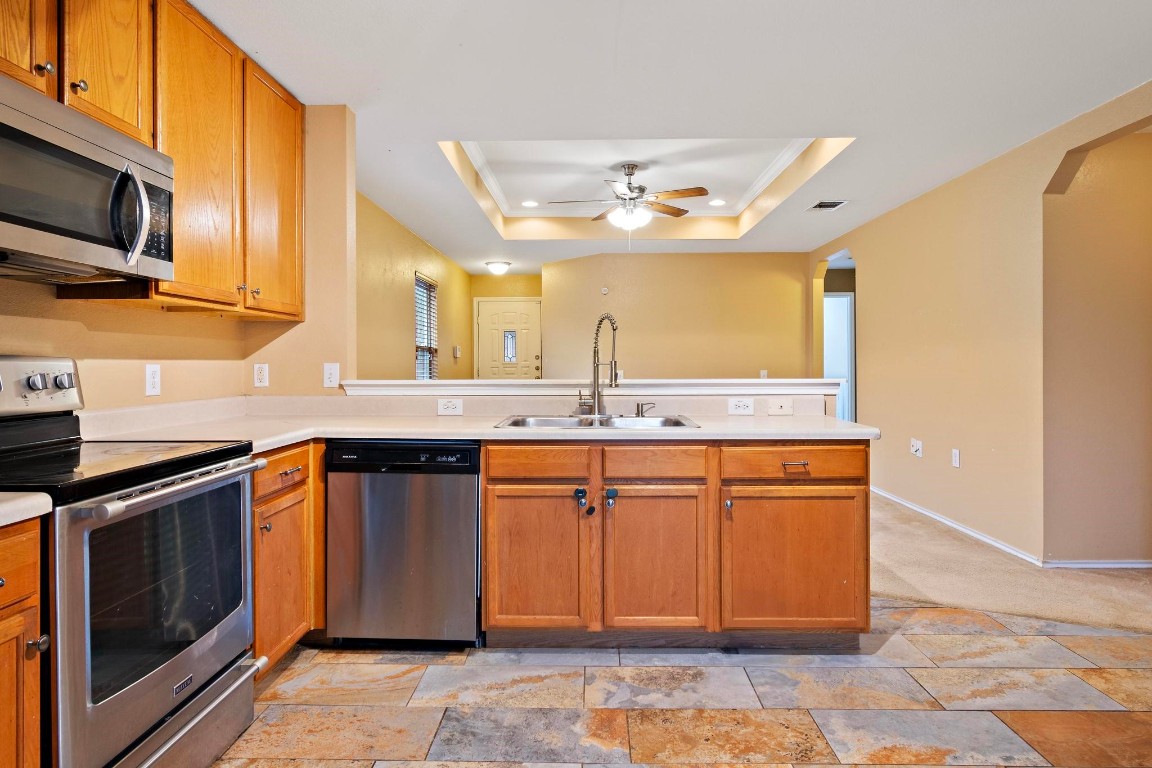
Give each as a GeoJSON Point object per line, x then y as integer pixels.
{"type": "Point", "coordinates": [425, 328]}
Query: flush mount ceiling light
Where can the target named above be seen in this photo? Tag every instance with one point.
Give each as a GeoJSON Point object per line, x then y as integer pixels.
{"type": "Point", "coordinates": [497, 267]}
{"type": "Point", "coordinates": [529, 203]}
{"type": "Point", "coordinates": [717, 203]}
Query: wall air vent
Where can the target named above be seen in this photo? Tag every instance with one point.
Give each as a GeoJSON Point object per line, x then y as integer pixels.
{"type": "Point", "coordinates": [827, 205]}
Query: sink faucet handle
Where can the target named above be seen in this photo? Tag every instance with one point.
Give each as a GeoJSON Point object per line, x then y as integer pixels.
{"type": "Point", "coordinates": [642, 408]}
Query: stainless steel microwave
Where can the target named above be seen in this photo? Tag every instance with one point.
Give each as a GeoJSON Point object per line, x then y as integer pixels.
{"type": "Point", "coordinates": [79, 201]}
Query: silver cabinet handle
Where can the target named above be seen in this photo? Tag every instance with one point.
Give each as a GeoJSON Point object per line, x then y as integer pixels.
{"type": "Point", "coordinates": [787, 464]}
{"type": "Point", "coordinates": [266, 527]}
{"type": "Point", "coordinates": [255, 291]}
{"type": "Point", "coordinates": [286, 472]}
{"type": "Point", "coordinates": [80, 85]}
{"type": "Point", "coordinates": [47, 68]}
{"type": "Point", "coordinates": [2, 582]}
{"type": "Point", "coordinates": [728, 504]}
{"type": "Point", "coordinates": [40, 644]}
{"type": "Point", "coordinates": [242, 287]}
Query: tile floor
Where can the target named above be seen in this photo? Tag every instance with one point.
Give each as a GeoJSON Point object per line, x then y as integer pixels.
{"type": "Point", "coordinates": [930, 686]}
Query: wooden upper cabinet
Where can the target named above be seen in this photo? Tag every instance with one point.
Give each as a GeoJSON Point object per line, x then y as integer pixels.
{"type": "Point", "coordinates": [274, 171]}
{"type": "Point", "coordinates": [200, 124]}
{"type": "Point", "coordinates": [27, 47]}
{"type": "Point", "coordinates": [107, 62]}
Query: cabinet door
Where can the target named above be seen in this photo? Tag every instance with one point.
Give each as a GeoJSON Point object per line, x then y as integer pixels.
{"type": "Point", "coordinates": [273, 178]}
{"type": "Point", "coordinates": [281, 574]}
{"type": "Point", "coordinates": [794, 557]}
{"type": "Point", "coordinates": [25, 43]}
{"type": "Point", "coordinates": [19, 689]}
{"type": "Point", "coordinates": [537, 556]}
{"type": "Point", "coordinates": [199, 123]}
{"type": "Point", "coordinates": [107, 60]}
{"type": "Point", "coordinates": [655, 561]}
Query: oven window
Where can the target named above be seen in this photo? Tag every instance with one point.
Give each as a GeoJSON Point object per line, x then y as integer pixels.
{"type": "Point", "coordinates": [159, 581]}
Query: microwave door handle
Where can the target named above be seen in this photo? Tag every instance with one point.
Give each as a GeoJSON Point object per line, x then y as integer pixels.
{"type": "Point", "coordinates": [143, 215]}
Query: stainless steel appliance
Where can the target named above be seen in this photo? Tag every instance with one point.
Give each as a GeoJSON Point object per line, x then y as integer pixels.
{"type": "Point", "coordinates": [403, 540]}
{"type": "Point", "coordinates": [79, 201]}
{"type": "Point", "coordinates": [150, 578]}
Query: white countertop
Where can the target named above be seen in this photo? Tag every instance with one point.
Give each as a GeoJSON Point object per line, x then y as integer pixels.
{"type": "Point", "coordinates": [267, 433]}
{"type": "Point", "coordinates": [18, 507]}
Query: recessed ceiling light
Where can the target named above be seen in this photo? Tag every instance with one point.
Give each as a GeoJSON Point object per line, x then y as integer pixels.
{"type": "Point", "coordinates": [529, 203]}
{"type": "Point", "coordinates": [497, 267]}
{"type": "Point", "coordinates": [717, 203]}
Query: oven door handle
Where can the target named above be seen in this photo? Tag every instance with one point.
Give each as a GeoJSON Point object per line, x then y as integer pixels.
{"type": "Point", "coordinates": [110, 509]}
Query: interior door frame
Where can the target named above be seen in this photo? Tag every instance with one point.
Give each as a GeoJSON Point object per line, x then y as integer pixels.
{"type": "Point", "coordinates": [851, 341]}
{"type": "Point", "coordinates": [476, 328]}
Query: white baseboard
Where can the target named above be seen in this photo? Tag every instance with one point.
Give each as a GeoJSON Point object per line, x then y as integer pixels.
{"type": "Point", "coordinates": [1008, 547]}
{"type": "Point", "coordinates": [962, 528]}
{"type": "Point", "coordinates": [1098, 563]}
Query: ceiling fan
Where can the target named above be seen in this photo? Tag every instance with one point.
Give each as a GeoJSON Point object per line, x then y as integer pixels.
{"type": "Point", "coordinates": [634, 204]}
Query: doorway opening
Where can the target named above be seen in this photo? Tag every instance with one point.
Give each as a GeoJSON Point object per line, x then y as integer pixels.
{"type": "Point", "coordinates": [840, 349]}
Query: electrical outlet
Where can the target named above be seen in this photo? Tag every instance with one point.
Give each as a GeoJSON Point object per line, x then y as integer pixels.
{"type": "Point", "coordinates": [449, 407]}
{"type": "Point", "coordinates": [763, 373]}
{"type": "Point", "coordinates": [780, 406]}
{"type": "Point", "coordinates": [917, 448]}
{"type": "Point", "coordinates": [260, 375]}
{"type": "Point", "coordinates": [331, 374]}
{"type": "Point", "coordinates": [151, 380]}
{"type": "Point", "coordinates": [956, 458]}
{"type": "Point", "coordinates": [738, 406]}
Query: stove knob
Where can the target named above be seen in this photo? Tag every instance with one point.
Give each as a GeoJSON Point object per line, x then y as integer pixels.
{"type": "Point", "coordinates": [39, 381]}
{"type": "Point", "coordinates": [65, 380]}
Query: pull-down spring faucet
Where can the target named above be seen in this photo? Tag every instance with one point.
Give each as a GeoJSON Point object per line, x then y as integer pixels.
{"type": "Point", "coordinates": [613, 376]}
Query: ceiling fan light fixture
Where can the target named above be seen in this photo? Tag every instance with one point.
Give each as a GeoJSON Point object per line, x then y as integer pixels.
{"type": "Point", "coordinates": [498, 267]}
{"type": "Point", "coordinates": [630, 218]}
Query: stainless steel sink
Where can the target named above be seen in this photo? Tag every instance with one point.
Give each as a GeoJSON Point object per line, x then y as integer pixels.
{"type": "Point", "coordinates": [597, 422]}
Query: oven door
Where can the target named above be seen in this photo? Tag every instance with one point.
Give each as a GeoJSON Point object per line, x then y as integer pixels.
{"type": "Point", "coordinates": [153, 598]}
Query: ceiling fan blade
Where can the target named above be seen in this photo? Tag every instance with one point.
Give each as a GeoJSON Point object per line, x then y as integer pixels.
{"type": "Point", "coordinates": [559, 202]}
{"type": "Point", "coordinates": [672, 194]}
{"type": "Point", "coordinates": [605, 214]}
{"type": "Point", "coordinates": [619, 188]}
{"type": "Point", "coordinates": [667, 210]}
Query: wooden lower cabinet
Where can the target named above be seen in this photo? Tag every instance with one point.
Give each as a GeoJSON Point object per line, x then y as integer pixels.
{"type": "Point", "coordinates": [284, 567]}
{"type": "Point", "coordinates": [656, 556]}
{"type": "Point", "coordinates": [538, 568]}
{"type": "Point", "coordinates": [19, 630]}
{"type": "Point", "coordinates": [794, 557]}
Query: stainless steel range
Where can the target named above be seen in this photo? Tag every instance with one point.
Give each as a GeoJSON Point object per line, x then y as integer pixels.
{"type": "Point", "coordinates": [149, 578]}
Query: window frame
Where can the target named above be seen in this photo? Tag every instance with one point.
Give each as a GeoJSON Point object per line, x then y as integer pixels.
{"type": "Point", "coordinates": [426, 318]}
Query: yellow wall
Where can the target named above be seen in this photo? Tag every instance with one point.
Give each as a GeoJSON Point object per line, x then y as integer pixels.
{"type": "Point", "coordinates": [681, 315]}
{"type": "Point", "coordinates": [388, 257]}
{"type": "Point", "coordinates": [1098, 358]}
{"type": "Point", "coordinates": [950, 335]}
{"type": "Point", "coordinates": [501, 286]}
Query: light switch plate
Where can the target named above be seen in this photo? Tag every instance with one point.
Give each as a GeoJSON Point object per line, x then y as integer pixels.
{"type": "Point", "coordinates": [331, 374]}
{"type": "Point", "coordinates": [956, 458]}
{"type": "Point", "coordinates": [260, 375]}
{"type": "Point", "coordinates": [917, 448]}
{"type": "Point", "coordinates": [151, 380]}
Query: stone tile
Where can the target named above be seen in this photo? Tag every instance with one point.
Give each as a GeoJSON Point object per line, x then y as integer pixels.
{"type": "Point", "coordinates": [547, 657]}
{"type": "Point", "coordinates": [1130, 687]}
{"type": "Point", "coordinates": [1125, 652]}
{"type": "Point", "coordinates": [821, 688]}
{"type": "Point", "coordinates": [710, 765]}
{"type": "Point", "coordinates": [988, 651]}
{"type": "Point", "coordinates": [386, 684]}
{"type": "Point", "coordinates": [1089, 739]}
{"type": "Point", "coordinates": [271, 763]}
{"type": "Point", "coordinates": [726, 736]}
{"type": "Point", "coordinates": [377, 656]}
{"type": "Point", "coordinates": [532, 735]}
{"type": "Point", "coordinates": [338, 733]}
{"type": "Point", "coordinates": [930, 738]}
{"type": "Point", "coordinates": [1011, 689]}
{"type": "Point", "coordinates": [875, 651]}
{"type": "Point", "coordinates": [896, 602]}
{"type": "Point", "coordinates": [443, 764]}
{"type": "Point", "coordinates": [513, 686]}
{"type": "Point", "coordinates": [1026, 625]}
{"type": "Point", "coordinates": [668, 688]}
{"type": "Point", "coordinates": [935, 621]}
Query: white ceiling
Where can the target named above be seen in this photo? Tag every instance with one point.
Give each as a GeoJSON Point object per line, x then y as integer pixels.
{"type": "Point", "coordinates": [930, 88]}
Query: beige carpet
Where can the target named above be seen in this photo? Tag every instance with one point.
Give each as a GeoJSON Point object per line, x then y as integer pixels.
{"type": "Point", "coordinates": [917, 558]}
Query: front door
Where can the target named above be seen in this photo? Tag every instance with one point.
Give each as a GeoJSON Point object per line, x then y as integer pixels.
{"type": "Point", "coordinates": [508, 339]}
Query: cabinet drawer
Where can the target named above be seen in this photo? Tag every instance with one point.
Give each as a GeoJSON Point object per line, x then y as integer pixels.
{"type": "Point", "coordinates": [655, 462]}
{"type": "Point", "coordinates": [19, 561]}
{"type": "Point", "coordinates": [514, 461]}
{"type": "Point", "coordinates": [794, 462]}
{"type": "Point", "coordinates": [285, 469]}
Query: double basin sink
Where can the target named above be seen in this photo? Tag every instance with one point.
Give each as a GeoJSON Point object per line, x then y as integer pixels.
{"type": "Point", "coordinates": [597, 422]}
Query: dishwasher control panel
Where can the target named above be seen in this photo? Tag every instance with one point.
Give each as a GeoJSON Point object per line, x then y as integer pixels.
{"type": "Point", "coordinates": [387, 456]}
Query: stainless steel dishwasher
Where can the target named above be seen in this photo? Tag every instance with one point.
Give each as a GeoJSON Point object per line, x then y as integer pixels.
{"type": "Point", "coordinates": [403, 540]}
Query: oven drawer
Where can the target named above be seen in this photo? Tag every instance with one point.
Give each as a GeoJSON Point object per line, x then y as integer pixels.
{"type": "Point", "coordinates": [286, 468]}
{"type": "Point", "coordinates": [19, 561]}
